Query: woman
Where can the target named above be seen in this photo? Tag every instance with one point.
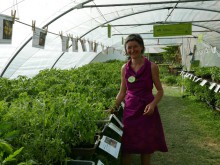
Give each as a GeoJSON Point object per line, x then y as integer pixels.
{"type": "Point", "coordinates": [143, 132]}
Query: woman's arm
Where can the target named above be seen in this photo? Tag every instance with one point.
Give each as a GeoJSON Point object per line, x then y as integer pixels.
{"type": "Point", "coordinates": [157, 83]}
{"type": "Point", "coordinates": [156, 80]}
{"type": "Point", "coordinates": [122, 92]}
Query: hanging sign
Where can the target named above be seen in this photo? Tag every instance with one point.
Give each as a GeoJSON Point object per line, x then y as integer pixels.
{"type": "Point", "coordinates": [172, 30]}
{"type": "Point", "coordinates": [65, 43]}
{"type": "Point", "coordinates": [95, 46]}
{"type": "Point", "coordinates": [103, 48]}
{"type": "Point", "coordinates": [6, 27]}
{"type": "Point", "coordinates": [90, 46]}
{"type": "Point", "coordinates": [200, 38]}
{"type": "Point", "coordinates": [83, 44]}
{"type": "Point", "coordinates": [39, 38]}
{"type": "Point", "coordinates": [109, 31]}
{"type": "Point", "coordinates": [74, 44]}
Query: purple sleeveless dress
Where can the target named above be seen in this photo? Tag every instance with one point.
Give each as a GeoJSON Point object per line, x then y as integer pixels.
{"type": "Point", "coordinates": [142, 134]}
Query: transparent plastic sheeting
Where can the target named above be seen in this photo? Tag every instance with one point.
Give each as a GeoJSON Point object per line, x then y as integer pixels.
{"type": "Point", "coordinates": [207, 55]}
{"type": "Point", "coordinates": [33, 60]}
{"type": "Point", "coordinates": [89, 22]}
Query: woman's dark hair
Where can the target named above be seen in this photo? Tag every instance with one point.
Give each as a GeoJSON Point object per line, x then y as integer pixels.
{"type": "Point", "coordinates": [138, 39]}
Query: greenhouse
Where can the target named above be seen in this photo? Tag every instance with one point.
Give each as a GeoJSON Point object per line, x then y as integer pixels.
{"type": "Point", "coordinates": [60, 66]}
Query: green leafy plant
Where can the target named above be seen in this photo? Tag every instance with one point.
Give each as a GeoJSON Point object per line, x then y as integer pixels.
{"type": "Point", "coordinates": [195, 64]}
{"type": "Point", "coordinates": [58, 109]}
{"type": "Point", "coordinates": [172, 55]}
{"type": "Point", "coordinates": [6, 153]}
{"type": "Point", "coordinates": [203, 93]}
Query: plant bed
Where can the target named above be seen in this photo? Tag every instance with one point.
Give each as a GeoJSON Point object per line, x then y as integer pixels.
{"type": "Point", "coordinates": [85, 150]}
{"type": "Point", "coordinates": [79, 162]}
{"type": "Point", "coordinates": [119, 112]}
{"type": "Point", "coordinates": [108, 152]}
{"type": "Point", "coordinates": [113, 131]}
{"type": "Point", "coordinates": [115, 120]}
{"type": "Point", "coordinates": [217, 108]}
{"type": "Point", "coordinates": [174, 69]}
{"type": "Point", "coordinates": [112, 118]}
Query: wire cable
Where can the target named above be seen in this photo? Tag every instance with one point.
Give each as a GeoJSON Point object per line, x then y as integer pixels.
{"type": "Point", "coordinates": [103, 15]}
{"type": "Point", "coordinates": [11, 6]}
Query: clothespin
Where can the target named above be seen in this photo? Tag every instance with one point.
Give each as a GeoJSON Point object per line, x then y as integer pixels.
{"type": "Point", "coordinates": [61, 34]}
{"type": "Point", "coordinates": [13, 14]}
{"type": "Point", "coordinates": [33, 25]}
{"type": "Point", "coordinates": [77, 38]}
{"type": "Point", "coordinates": [46, 29]}
{"type": "Point", "coordinates": [70, 35]}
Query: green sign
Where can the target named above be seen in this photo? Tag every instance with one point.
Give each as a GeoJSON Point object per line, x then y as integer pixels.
{"type": "Point", "coordinates": [173, 30]}
{"type": "Point", "coordinates": [109, 31]}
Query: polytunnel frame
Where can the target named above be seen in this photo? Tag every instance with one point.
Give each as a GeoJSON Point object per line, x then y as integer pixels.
{"type": "Point", "coordinates": [162, 22]}
{"type": "Point", "coordinates": [79, 6]}
{"type": "Point", "coordinates": [162, 8]}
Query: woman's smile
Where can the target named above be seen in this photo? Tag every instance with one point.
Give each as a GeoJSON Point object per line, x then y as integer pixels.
{"type": "Point", "coordinates": [133, 49]}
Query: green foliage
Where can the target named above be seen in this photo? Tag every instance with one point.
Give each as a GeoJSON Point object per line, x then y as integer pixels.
{"type": "Point", "coordinates": [57, 109]}
{"type": "Point", "coordinates": [6, 152]}
{"type": "Point", "coordinates": [215, 73]}
{"type": "Point", "coordinates": [195, 64]}
{"type": "Point", "coordinates": [170, 80]}
{"type": "Point", "coordinates": [12, 156]}
{"type": "Point", "coordinates": [204, 72]}
{"type": "Point", "coordinates": [171, 55]}
{"type": "Point", "coordinates": [7, 148]}
{"type": "Point", "coordinates": [203, 93]}
{"type": "Point", "coordinates": [163, 71]}
{"type": "Point", "coordinates": [167, 78]}
{"type": "Point", "coordinates": [156, 58]}
{"type": "Point", "coordinates": [217, 97]}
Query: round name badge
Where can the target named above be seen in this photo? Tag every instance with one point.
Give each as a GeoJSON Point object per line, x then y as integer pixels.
{"type": "Point", "coordinates": [131, 79]}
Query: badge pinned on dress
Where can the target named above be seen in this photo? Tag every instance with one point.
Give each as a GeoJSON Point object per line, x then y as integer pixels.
{"type": "Point", "coordinates": [131, 79]}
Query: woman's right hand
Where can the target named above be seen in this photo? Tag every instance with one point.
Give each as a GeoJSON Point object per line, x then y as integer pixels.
{"type": "Point", "coordinates": [109, 110]}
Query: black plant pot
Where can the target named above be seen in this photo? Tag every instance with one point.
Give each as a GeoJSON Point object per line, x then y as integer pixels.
{"type": "Point", "coordinates": [85, 151]}
{"type": "Point", "coordinates": [107, 131]}
{"type": "Point", "coordinates": [80, 162]}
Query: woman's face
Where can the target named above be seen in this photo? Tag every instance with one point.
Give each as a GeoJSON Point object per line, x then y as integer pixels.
{"type": "Point", "coordinates": [133, 49]}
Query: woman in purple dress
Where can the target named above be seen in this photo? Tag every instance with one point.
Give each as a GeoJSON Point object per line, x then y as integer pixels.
{"type": "Point", "coordinates": [143, 132]}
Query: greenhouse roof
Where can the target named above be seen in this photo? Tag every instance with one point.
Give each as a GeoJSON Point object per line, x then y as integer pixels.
{"type": "Point", "coordinates": [89, 21]}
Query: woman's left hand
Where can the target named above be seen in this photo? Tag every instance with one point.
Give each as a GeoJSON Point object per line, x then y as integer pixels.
{"type": "Point", "coordinates": [149, 110]}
